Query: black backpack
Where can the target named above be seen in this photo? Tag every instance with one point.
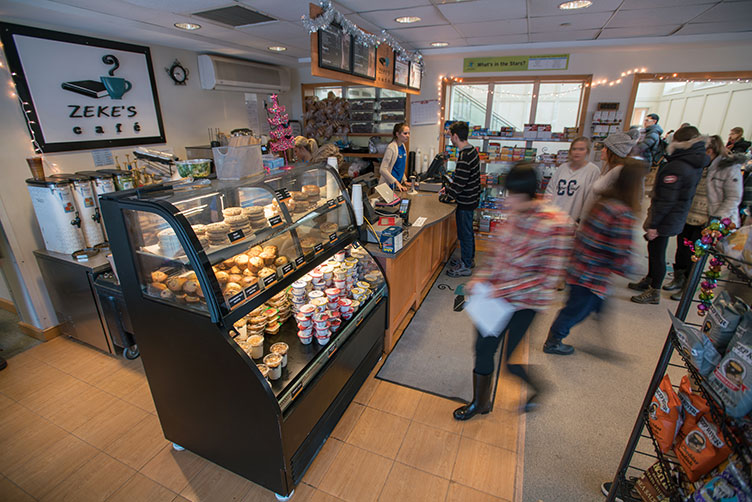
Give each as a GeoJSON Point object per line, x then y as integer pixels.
{"type": "Point", "coordinates": [658, 152]}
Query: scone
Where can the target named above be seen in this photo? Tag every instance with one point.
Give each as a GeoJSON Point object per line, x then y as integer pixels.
{"type": "Point", "coordinates": [255, 251]}
{"type": "Point", "coordinates": [271, 249]}
{"type": "Point", "coordinates": [266, 271]}
{"type": "Point", "coordinates": [282, 260]}
{"type": "Point", "coordinates": [158, 276]}
{"type": "Point", "coordinates": [235, 278]}
{"type": "Point", "coordinates": [268, 257]}
{"type": "Point", "coordinates": [190, 286]}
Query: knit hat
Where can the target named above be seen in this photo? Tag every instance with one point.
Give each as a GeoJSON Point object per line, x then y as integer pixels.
{"type": "Point", "coordinates": [620, 143]}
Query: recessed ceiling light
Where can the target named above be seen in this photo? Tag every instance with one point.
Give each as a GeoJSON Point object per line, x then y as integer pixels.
{"type": "Point", "coordinates": [439, 44]}
{"type": "Point", "coordinates": [277, 48]}
{"type": "Point", "coordinates": [575, 4]}
{"type": "Point", "coordinates": [407, 19]}
{"type": "Point", "coordinates": [187, 26]}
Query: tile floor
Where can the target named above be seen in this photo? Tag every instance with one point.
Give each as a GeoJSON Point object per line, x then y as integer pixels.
{"type": "Point", "coordinates": [77, 424]}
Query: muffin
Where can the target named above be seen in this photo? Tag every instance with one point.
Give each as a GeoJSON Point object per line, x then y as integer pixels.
{"type": "Point", "coordinates": [282, 260]}
{"type": "Point", "coordinates": [158, 276]}
{"type": "Point", "coordinates": [190, 286]}
{"type": "Point", "coordinates": [175, 284]}
{"type": "Point", "coordinates": [266, 271]}
{"type": "Point", "coordinates": [222, 277]}
{"type": "Point", "coordinates": [235, 278]}
{"type": "Point", "coordinates": [268, 258]}
{"type": "Point", "coordinates": [255, 264]}
{"type": "Point", "coordinates": [167, 295]}
{"type": "Point", "coordinates": [255, 251]}
{"type": "Point", "coordinates": [241, 261]}
{"type": "Point", "coordinates": [271, 249]}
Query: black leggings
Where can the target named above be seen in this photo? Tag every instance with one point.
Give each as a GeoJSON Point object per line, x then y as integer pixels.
{"type": "Point", "coordinates": [485, 347]}
{"type": "Point", "coordinates": [657, 261]}
{"type": "Point", "coordinates": [683, 258]}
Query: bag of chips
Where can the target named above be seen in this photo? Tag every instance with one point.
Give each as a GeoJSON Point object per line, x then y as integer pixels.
{"type": "Point", "coordinates": [665, 415]}
{"type": "Point", "coordinates": [723, 317]}
{"type": "Point", "coordinates": [703, 354]}
{"type": "Point", "coordinates": [694, 405]}
{"type": "Point", "coordinates": [727, 487]}
{"type": "Point", "coordinates": [732, 378]}
{"type": "Point", "coordinates": [700, 448]}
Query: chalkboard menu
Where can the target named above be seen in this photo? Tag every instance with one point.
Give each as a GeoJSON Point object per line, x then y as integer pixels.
{"type": "Point", "coordinates": [401, 72]}
{"type": "Point", "coordinates": [334, 48]}
{"type": "Point", "coordinates": [364, 61]}
{"type": "Point", "coordinates": [415, 76]}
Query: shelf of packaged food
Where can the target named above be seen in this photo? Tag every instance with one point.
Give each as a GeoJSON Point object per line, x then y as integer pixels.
{"type": "Point", "coordinates": [517, 138]}
{"type": "Point", "coordinates": [217, 254]}
{"type": "Point", "coordinates": [363, 155]}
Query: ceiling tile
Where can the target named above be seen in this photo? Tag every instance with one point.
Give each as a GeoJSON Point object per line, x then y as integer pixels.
{"type": "Point", "coordinates": [483, 10]}
{"type": "Point", "coordinates": [575, 22]}
{"type": "Point", "coordinates": [290, 10]}
{"type": "Point", "coordinates": [426, 34]}
{"type": "Point", "coordinates": [563, 36]}
{"type": "Point", "coordinates": [726, 12]}
{"type": "Point", "coordinates": [275, 30]}
{"type": "Point", "coordinates": [713, 28]}
{"type": "Point", "coordinates": [499, 40]}
{"type": "Point", "coordinates": [180, 6]}
{"type": "Point", "coordinates": [538, 8]}
{"type": "Point", "coordinates": [638, 31]}
{"type": "Point", "coordinates": [655, 17]}
{"type": "Point", "coordinates": [429, 16]}
{"type": "Point", "coordinates": [458, 42]}
{"type": "Point", "coordinates": [367, 5]}
{"type": "Point", "coordinates": [492, 28]}
{"type": "Point", "coordinates": [651, 4]}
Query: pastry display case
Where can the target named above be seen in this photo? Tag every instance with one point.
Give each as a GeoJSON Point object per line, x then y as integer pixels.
{"type": "Point", "coordinates": [257, 312]}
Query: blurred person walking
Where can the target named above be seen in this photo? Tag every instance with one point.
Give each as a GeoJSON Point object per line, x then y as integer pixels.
{"type": "Point", "coordinates": [570, 184]}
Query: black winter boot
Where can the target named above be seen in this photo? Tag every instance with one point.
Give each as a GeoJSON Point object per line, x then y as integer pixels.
{"type": "Point", "coordinates": [641, 285]}
{"type": "Point", "coordinates": [680, 278]}
{"type": "Point", "coordinates": [554, 345]}
{"type": "Point", "coordinates": [481, 403]}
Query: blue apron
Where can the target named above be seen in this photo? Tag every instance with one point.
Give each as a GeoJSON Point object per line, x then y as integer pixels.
{"type": "Point", "coordinates": [398, 169]}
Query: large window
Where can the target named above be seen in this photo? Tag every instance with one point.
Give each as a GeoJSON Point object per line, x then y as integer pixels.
{"type": "Point", "coordinates": [505, 102]}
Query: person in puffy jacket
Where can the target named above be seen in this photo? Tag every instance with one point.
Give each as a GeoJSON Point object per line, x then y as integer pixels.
{"type": "Point", "coordinates": [725, 184]}
{"type": "Point", "coordinates": [675, 186]}
{"type": "Point", "coordinates": [648, 146]}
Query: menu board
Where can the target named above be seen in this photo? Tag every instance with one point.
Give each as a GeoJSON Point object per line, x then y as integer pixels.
{"type": "Point", "coordinates": [364, 61]}
{"type": "Point", "coordinates": [415, 76]}
{"type": "Point", "coordinates": [401, 72]}
{"type": "Point", "coordinates": [334, 49]}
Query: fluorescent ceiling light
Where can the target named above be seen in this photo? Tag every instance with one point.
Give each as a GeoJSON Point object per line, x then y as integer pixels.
{"type": "Point", "coordinates": [277, 48]}
{"type": "Point", "coordinates": [407, 19]}
{"type": "Point", "coordinates": [439, 44]}
{"type": "Point", "coordinates": [575, 4]}
{"type": "Point", "coordinates": [187, 26]}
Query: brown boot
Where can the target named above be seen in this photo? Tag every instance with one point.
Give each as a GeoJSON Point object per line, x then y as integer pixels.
{"type": "Point", "coordinates": [651, 296]}
{"type": "Point", "coordinates": [481, 403]}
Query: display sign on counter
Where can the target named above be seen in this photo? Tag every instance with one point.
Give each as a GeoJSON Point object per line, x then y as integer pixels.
{"type": "Point", "coordinates": [287, 268]}
{"type": "Point", "coordinates": [318, 248]}
{"type": "Point", "coordinates": [333, 237]}
{"type": "Point", "coordinates": [299, 261]}
{"type": "Point", "coordinates": [282, 194]}
{"type": "Point", "coordinates": [275, 221]}
{"type": "Point", "coordinates": [83, 93]}
{"type": "Point", "coordinates": [236, 300]}
{"type": "Point", "coordinates": [269, 279]}
{"type": "Point", "coordinates": [236, 235]}
{"type": "Point", "coordinates": [252, 290]}
{"type": "Point", "coordinates": [340, 199]}
{"type": "Point", "coordinates": [331, 203]}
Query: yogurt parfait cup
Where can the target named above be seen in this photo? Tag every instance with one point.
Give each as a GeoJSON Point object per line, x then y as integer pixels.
{"type": "Point", "coordinates": [334, 325]}
{"type": "Point", "coordinates": [304, 338]}
{"type": "Point", "coordinates": [323, 339]}
{"type": "Point", "coordinates": [257, 346]}
{"type": "Point", "coordinates": [308, 309]}
{"type": "Point", "coordinates": [332, 306]}
{"type": "Point", "coordinates": [264, 369]}
{"type": "Point", "coordinates": [303, 320]}
{"type": "Point", "coordinates": [280, 348]}
{"type": "Point", "coordinates": [319, 304]}
{"type": "Point", "coordinates": [340, 256]}
{"type": "Point", "coordinates": [315, 294]}
{"type": "Point", "coordinates": [274, 363]}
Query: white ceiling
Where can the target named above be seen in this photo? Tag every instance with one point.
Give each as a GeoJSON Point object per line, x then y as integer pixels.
{"type": "Point", "coordinates": [461, 23]}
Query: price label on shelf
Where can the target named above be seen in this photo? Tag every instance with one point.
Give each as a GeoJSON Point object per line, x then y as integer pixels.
{"type": "Point", "coordinates": [282, 194]}
{"type": "Point", "coordinates": [299, 261]}
{"type": "Point", "coordinates": [333, 237]}
{"type": "Point", "coordinates": [331, 203]}
{"type": "Point", "coordinates": [236, 235]}
{"type": "Point", "coordinates": [355, 245]}
{"type": "Point", "coordinates": [252, 290]}
{"type": "Point", "coordinates": [340, 199]}
{"type": "Point", "coordinates": [275, 221]}
{"type": "Point", "coordinates": [318, 248]}
{"type": "Point", "coordinates": [269, 279]}
{"type": "Point", "coordinates": [287, 268]}
{"type": "Point", "coordinates": [236, 300]}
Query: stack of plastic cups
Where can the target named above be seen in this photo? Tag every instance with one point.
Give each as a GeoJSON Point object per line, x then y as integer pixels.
{"type": "Point", "coordinates": [332, 297]}
{"type": "Point", "coordinates": [345, 308]}
{"type": "Point", "coordinates": [305, 324]}
{"type": "Point", "coordinates": [327, 272]}
{"type": "Point", "coordinates": [321, 326]}
{"type": "Point", "coordinates": [298, 295]}
{"type": "Point", "coordinates": [317, 280]}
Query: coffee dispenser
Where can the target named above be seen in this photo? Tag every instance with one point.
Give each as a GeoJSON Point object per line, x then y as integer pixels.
{"type": "Point", "coordinates": [55, 209]}
{"type": "Point", "coordinates": [86, 203]}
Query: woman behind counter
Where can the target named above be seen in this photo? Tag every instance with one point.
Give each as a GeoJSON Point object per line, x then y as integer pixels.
{"type": "Point", "coordinates": [394, 163]}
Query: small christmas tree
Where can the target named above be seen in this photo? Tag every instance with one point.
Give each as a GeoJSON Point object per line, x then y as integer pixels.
{"type": "Point", "coordinates": [280, 130]}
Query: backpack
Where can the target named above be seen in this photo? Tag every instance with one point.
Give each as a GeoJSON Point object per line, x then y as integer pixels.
{"type": "Point", "coordinates": [658, 153]}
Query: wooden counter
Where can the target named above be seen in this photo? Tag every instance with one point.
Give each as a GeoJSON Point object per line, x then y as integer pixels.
{"type": "Point", "coordinates": [411, 272]}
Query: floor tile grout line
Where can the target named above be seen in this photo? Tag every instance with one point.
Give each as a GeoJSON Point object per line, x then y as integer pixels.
{"type": "Point", "coordinates": [383, 485]}
{"type": "Point", "coordinates": [122, 485]}
{"type": "Point", "coordinates": [17, 486]}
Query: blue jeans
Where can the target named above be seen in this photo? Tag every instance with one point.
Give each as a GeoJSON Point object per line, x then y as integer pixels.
{"type": "Point", "coordinates": [580, 304]}
{"type": "Point", "coordinates": [464, 218]}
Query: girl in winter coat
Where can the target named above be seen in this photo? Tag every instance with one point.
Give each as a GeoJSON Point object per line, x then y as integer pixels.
{"type": "Point", "coordinates": [725, 182]}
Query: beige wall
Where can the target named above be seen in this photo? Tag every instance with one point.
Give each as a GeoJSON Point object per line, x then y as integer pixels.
{"type": "Point", "coordinates": [187, 112]}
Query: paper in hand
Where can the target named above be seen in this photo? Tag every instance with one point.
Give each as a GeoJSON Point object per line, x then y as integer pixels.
{"type": "Point", "coordinates": [489, 315]}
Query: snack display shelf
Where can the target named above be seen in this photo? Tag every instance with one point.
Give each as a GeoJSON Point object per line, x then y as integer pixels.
{"type": "Point", "coordinates": [363, 155]}
{"type": "Point", "coordinates": [736, 432]}
{"type": "Point", "coordinates": [369, 134]}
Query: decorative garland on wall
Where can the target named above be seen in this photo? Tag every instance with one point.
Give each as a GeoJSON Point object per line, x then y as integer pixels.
{"type": "Point", "coordinates": [332, 15]}
{"type": "Point", "coordinates": [711, 236]}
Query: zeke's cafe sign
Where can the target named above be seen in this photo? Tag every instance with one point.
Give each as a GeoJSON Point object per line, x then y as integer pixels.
{"type": "Point", "coordinates": [83, 93]}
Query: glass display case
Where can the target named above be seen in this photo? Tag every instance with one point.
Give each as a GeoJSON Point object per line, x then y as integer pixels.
{"type": "Point", "coordinates": [253, 303]}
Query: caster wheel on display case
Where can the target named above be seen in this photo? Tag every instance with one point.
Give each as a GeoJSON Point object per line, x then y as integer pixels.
{"type": "Point", "coordinates": [131, 352]}
{"type": "Point", "coordinates": [284, 498]}
{"type": "Point", "coordinates": [177, 447]}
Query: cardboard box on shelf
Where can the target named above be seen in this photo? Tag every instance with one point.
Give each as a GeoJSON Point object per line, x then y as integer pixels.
{"type": "Point", "coordinates": [544, 131]}
{"type": "Point", "coordinates": [530, 131]}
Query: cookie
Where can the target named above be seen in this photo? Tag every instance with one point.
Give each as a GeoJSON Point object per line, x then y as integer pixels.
{"type": "Point", "coordinates": [217, 228]}
{"type": "Point", "coordinates": [232, 211]}
{"type": "Point", "coordinates": [199, 229]}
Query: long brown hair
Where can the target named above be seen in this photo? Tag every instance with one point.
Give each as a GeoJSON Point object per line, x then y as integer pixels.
{"type": "Point", "coordinates": [715, 143]}
{"type": "Point", "coordinates": [628, 185]}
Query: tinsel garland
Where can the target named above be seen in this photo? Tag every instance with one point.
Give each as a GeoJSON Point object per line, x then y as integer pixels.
{"type": "Point", "coordinates": [711, 235]}
{"type": "Point", "coordinates": [332, 15]}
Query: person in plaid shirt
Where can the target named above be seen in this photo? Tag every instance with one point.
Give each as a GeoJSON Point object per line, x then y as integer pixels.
{"type": "Point", "coordinates": [602, 247]}
{"type": "Point", "coordinates": [531, 251]}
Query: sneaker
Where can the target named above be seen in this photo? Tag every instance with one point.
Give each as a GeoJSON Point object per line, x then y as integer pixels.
{"type": "Point", "coordinates": [633, 496]}
{"type": "Point", "coordinates": [557, 347]}
{"type": "Point", "coordinates": [459, 271]}
{"type": "Point", "coordinates": [456, 262]}
{"type": "Point", "coordinates": [641, 285]}
{"type": "Point", "coordinates": [649, 296]}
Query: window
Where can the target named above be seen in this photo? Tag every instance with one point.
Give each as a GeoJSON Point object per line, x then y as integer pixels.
{"type": "Point", "coordinates": [323, 92]}
{"type": "Point", "coordinates": [558, 104]}
{"type": "Point", "coordinates": [511, 105]}
{"type": "Point", "coordinates": [468, 103]}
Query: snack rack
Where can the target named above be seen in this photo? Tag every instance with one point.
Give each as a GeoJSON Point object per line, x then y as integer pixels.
{"type": "Point", "coordinates": [642, 445]}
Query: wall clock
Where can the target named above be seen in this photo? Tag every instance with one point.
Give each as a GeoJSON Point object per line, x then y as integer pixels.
{"type": "Point", "coordinates": [178, 73]}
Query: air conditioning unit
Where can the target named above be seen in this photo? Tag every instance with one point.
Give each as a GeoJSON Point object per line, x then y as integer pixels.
{"type": "Point", "coordinates": [221, 73]}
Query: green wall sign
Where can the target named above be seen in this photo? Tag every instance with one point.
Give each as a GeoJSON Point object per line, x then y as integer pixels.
{"type": "Point", "coordinates": [516, 63]}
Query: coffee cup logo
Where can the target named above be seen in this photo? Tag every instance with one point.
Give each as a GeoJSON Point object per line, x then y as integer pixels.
{"type": "Point", "coordinates": [116, 86]}
{"type": "Point", "coordinates": [108, 85]}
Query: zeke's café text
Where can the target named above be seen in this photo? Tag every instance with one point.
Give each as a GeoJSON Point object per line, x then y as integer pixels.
{"type": "Point", "coordinates": [103, 112]}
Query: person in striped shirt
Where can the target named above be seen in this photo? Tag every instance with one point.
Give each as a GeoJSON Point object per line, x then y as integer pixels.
{"type": "Point", "coordinates": [465, 190]}
{"type": "Point", "coordinates": [602, 247]}
{"type": "Point", "coordinates": [531, 250]}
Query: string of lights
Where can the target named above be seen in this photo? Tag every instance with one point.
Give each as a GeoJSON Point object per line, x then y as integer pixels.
{"type": "Point", "coordinates": [24, 105]}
